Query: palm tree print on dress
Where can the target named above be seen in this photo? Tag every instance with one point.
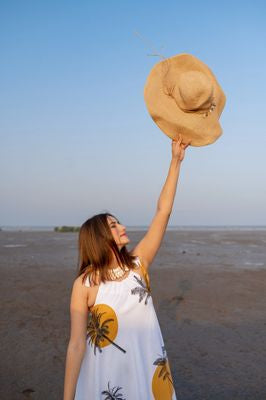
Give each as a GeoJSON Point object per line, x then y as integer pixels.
{"type": "Point", "coordinates": [141, 290]}
{"type": "Point", "coordinates": [101, 332]}
{"type": "Point", "coordinates": [112, 393]}
{"type": "Point", "coordinates": [162, 384]}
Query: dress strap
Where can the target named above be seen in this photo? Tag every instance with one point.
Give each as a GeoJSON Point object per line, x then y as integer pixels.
{"type": "Point", "coordinates": [145, 273]}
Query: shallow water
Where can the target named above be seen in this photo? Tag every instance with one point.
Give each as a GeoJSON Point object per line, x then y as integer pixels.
{"type": "Point", "coordinates": [245, 249]}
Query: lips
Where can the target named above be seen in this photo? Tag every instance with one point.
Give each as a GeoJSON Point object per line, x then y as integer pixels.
{"type": "Point", "coordinates": [124, 234]}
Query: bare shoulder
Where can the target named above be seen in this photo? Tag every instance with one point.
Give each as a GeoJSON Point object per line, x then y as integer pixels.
{"type": "Point", "coordinates": [79, 286]}
{"type": "Point", "coordinates": [87, 286]}
{"type": "Point", "coordinates": [79, 300]}
{"type": "Point", "coordinates": [78, 280]}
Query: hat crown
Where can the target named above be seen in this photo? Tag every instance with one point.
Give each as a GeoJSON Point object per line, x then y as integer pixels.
{"type": "Point", "coordinates": [193, 91]}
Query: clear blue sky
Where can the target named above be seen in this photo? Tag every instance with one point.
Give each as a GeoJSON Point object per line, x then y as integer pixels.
{"type": "Point", "coordinates": [76, 138]}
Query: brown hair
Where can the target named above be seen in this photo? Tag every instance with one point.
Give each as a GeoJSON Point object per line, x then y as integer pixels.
{"type": "Point", "coordinates": [96, 244]}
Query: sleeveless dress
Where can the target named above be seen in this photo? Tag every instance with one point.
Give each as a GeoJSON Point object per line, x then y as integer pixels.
{"type": "Point", "coordinates": [125, 357]}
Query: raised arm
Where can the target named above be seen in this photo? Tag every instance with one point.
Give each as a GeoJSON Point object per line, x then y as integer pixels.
{"type": "Point", "coordinates": [147, 248]}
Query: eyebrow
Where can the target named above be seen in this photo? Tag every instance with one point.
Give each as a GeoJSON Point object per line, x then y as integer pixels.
{"type": "Point", "coordinates": [114, 222]}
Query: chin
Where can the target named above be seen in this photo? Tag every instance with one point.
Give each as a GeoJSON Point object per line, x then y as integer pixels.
{"type": "Point", "coordinates": [124, 240]}
{"type": "Point", "coordinates": [121, 245]}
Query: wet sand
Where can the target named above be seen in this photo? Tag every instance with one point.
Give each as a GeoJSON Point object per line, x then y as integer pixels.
{"type": "Point", "coordinates": [209, 291]}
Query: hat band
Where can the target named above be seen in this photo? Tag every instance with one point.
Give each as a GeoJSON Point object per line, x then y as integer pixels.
{"type": "Point", "coordinates": [205, 111]}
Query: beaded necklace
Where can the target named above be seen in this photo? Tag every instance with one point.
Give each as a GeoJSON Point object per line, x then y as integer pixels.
{"type": "Point", "coordinates": [117, 272]}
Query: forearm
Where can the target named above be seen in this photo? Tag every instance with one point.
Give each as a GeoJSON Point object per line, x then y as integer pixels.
{"type": "Point", "coordinates": [74, 358]}
{"type": "Point", "coordinates": [167, 195]}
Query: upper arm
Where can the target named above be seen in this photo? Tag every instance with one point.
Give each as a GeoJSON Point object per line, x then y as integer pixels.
{"type": "Point", "coordinates": [78, 313]}
{"type": "Point", "coordinates": [147, 248]}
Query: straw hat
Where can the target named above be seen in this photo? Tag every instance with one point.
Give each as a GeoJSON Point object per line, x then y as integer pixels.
{"type": "Point", "coordinates": [183, 96]}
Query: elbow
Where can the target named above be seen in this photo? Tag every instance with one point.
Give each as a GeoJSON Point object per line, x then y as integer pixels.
{"type": "Point", "coordinates": [77, 346]}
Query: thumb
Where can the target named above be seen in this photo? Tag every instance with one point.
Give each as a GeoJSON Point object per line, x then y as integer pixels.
{"type": "Point", "coordinates": [188, 144]}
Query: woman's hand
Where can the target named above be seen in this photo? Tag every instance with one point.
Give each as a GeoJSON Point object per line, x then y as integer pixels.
{"type": "Point", "coordinates": [178, 148]}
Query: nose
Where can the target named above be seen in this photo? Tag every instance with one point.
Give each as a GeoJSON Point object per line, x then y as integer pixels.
{"type": "Point", "coordinates": [123, 229]}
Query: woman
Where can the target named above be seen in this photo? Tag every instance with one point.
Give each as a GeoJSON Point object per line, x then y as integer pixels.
{"type": "Point", "coordinates": [116, 350]}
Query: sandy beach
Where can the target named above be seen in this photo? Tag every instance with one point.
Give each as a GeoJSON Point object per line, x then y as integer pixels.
{"type": "Point", "coordinates": [208, 288]}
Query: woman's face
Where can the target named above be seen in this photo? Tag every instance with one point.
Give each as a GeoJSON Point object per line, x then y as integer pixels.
{"type": "Point", "coordinates": [118, 231]}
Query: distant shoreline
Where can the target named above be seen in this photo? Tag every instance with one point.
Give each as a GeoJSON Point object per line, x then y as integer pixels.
{"type": "Point", "coordinates": [73, 229]}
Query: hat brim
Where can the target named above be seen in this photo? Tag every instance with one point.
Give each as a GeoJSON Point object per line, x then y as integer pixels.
{"type": "Point", "coordinates": [194, 127]}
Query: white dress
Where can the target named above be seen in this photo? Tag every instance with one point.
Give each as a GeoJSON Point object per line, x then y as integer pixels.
{"type": "Point", "coordinates": [125, 358]}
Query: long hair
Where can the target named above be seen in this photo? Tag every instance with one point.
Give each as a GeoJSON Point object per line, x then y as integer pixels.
{"type": "Point", "coordinates": [96, 248]}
